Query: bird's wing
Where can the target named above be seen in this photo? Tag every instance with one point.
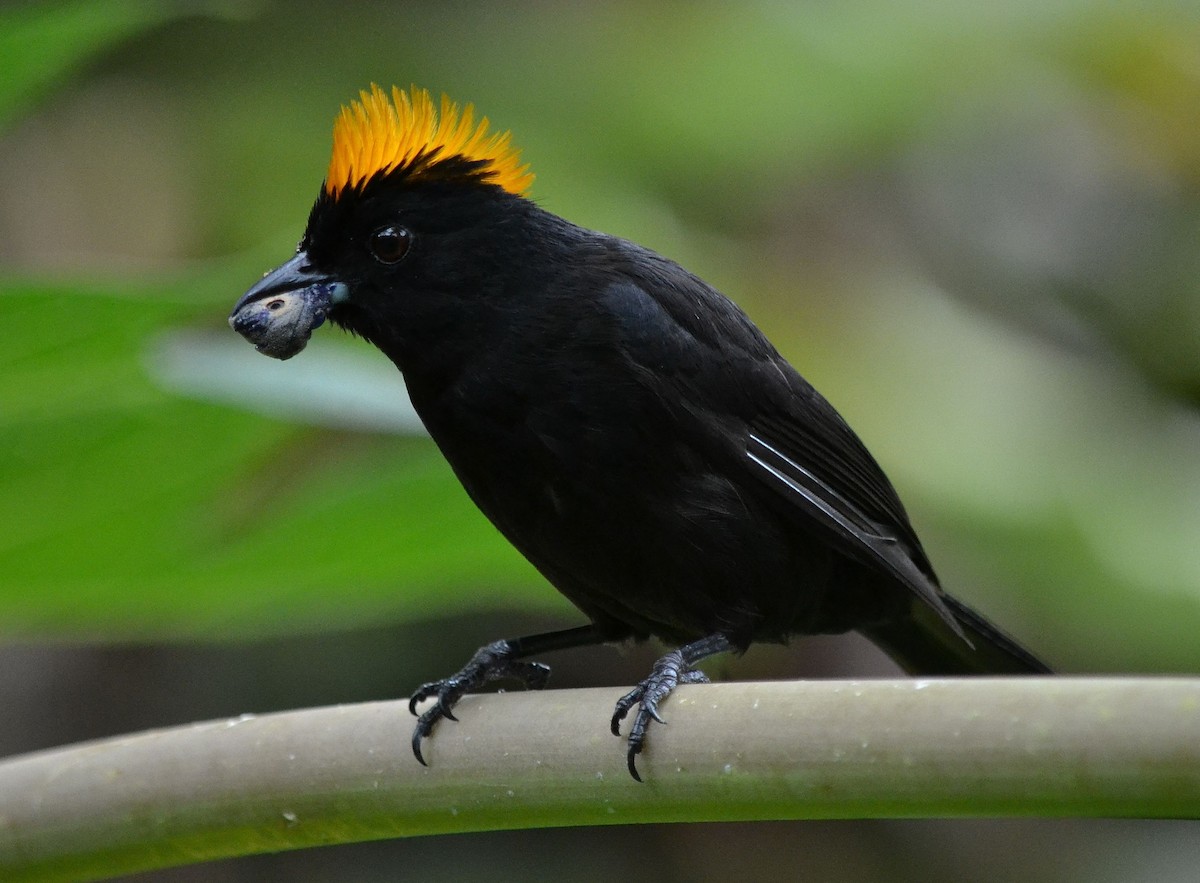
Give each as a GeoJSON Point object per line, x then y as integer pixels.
{"type": "Point", "coordinates": [796, 443]}
{"type": "Point", "coordinates": [812, 458]}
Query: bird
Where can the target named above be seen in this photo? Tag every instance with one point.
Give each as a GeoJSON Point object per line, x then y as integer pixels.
{"type": "Point", "coordinates": [621, 422]}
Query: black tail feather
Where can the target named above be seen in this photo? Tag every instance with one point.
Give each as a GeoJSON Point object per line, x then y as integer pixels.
{"type": "Point", "coordinates": [923, 644]}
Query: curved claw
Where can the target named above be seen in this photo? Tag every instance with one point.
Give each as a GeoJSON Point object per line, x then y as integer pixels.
{"type": "Point", "coordinates": [417, 736]}
{"type": "Point", "coordinates": [637, 738]}
{"type": "Point", "coordinates": [447, 694]}
{"type": "Point", "coordinates": [489, 663]}
{"type": "Point", "coordinates": [615, 724]}
{"type": "Point", "coordinates": [669, 672]}
{"type": "Point", "coordinates": [423, 728]}
{"type": "Point", "coordinates": [625, 703]}
{"type": "Point", "coordinates": [422, 693]}
{"type": "Point", "coordinates": [631, 761]}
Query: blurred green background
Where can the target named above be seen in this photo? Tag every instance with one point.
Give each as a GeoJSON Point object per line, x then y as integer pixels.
{"type": "Point", "coordinates": [975, 227]}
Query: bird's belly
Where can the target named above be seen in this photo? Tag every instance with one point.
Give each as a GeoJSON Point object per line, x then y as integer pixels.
{"type": "Point", "coordinates": [679, 555]}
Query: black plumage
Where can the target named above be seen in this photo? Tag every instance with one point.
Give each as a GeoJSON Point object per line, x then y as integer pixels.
{"type": "Point", "coordinates": [626, 427]}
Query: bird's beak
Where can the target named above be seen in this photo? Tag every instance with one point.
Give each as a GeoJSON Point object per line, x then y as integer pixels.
{"type": "Point", "coordinates": [280, 311]}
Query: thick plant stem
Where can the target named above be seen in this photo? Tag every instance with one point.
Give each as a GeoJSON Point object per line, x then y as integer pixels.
{"type": "Point", "coordinates": [738, 751]}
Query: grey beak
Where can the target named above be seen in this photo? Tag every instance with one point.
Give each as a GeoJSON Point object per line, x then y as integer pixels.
{"type": "Point", "coordinates": [280, 311]}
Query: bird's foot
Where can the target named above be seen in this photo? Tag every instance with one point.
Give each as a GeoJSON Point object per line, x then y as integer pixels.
{"type": "Point", "coordinates": [669, 672]}
{"type": "Point", "coordinates": [489, 663]}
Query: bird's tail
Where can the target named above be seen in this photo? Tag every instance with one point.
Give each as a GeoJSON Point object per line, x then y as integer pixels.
{"type": "Point", "coordinates": [924, 644]}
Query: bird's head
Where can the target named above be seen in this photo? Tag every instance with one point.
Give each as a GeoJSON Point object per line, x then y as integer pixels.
{"type": "Point", "coordinates": [413, 214]}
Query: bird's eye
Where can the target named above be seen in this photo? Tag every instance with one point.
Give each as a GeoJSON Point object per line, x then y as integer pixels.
{"type": "Point", "coordinates": [389, 245]}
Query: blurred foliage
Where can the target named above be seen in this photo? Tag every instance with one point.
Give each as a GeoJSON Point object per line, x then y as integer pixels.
{"type": "Point", "coordinates": [973, 226]}
{"type": "Point", "coordinates": [42, 44]}
{"type": "Point", "coordinates": [132, 510]}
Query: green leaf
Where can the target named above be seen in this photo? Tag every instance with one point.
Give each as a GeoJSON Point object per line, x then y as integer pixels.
{"type": "Point", "coordinates": [132, 511]}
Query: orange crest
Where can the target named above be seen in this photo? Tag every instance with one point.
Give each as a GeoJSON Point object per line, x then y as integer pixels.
{"type": "Point", "coordinates": [377, 135]}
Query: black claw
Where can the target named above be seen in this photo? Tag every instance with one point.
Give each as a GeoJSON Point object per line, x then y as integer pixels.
{"type": "Point", "coordinates": [625, 703]}
{"type": "Point", "coordinates": [423, 728]}
{"type": "Point", "coordinates": [631, 762]}
{"type": "Point", "coordinates": [489, 663]}
{"type": "Point", "coordinates": [637, 741]}
{"type": "Point", "coordinates": [668, 673]}
{"type": "Point", "coordinates": [416, 746]}
{"type": "Point", "coordinates": [422, 693]}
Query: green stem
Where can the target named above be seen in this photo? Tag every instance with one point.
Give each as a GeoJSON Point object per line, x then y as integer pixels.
{"type": "Point", "coordinates": [739, 751]}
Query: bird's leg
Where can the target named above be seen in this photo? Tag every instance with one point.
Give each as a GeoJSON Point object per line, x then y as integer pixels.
{"type": "Point", "coordinates": [669, 672]}
{"type": "Point", "coordinates": [500, 659]}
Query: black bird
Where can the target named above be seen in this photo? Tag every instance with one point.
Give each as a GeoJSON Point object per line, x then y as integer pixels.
{"type": "Point", "coordinates": [621, 422]}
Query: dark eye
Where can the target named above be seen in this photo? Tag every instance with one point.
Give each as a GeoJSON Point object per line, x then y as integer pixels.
{"type": "Point", "coordinates": [389, 244]}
